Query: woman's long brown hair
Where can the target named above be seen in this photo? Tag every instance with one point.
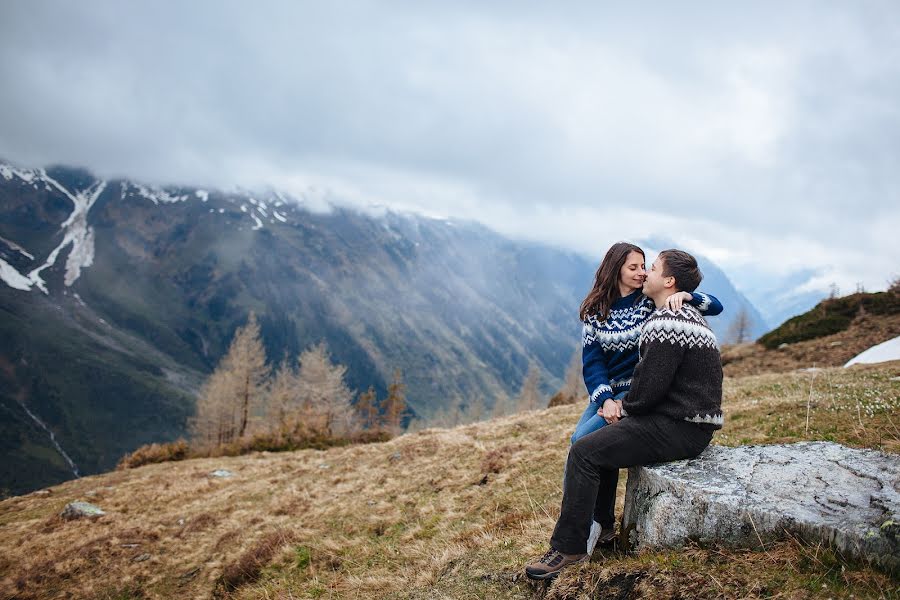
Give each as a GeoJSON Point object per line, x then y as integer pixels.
{"type": "Point", "coordinates": [606, 282]}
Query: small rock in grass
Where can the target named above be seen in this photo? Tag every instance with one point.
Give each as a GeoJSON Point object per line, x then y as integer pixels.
{"type": "Point", "coordinates": [77, 510]}
{"type": "Point", "coordinates": [141, 557]}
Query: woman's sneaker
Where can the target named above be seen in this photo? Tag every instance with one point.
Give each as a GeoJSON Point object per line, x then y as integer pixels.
{"type": "Point", "coordinates": [549, 565]}
{"type": "Point", "coordinates": [593, 536]}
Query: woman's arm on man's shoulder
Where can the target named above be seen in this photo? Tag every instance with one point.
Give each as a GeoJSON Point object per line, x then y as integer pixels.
{"type": "Point", "coordinates": [707, 304]}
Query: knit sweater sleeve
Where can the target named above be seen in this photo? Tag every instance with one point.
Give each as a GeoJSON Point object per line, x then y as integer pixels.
{"type": "Point", "coordinates": [707, 304]}
{"type": "Point", "coordinates": [594, 367]}
{"type": "Point", "coordinates": [655, 371]}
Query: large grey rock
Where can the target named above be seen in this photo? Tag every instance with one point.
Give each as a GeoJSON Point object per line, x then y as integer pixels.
{"type": "Point", "coordinates": [817, 491]}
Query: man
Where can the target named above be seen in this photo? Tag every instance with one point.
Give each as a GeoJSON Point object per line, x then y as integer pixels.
{"type": "Point", "coordinates": [670, 412]}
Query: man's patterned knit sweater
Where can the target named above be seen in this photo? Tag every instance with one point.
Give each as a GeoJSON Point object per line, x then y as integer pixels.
{"type": "Point", "coordinates": [679, 374]}
{"type": "Point", "coordinates": [609, 348]}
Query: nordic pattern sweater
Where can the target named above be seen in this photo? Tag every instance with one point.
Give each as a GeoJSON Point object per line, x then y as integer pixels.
{"type": "Point", "coordinates": [679, 374]}
{"type": "Point", "coordinates": [609, 348]}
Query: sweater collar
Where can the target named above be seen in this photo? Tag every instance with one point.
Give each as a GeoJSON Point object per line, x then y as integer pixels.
{"type": "Point", "coordinates": [626, 301]}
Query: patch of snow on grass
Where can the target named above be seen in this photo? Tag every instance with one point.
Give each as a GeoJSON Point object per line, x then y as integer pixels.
{"type": "Point", "coordinates": [889, 350]}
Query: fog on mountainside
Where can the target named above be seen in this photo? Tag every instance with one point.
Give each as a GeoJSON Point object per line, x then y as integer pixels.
{"type": "Point", "coordinates": [115, 312]}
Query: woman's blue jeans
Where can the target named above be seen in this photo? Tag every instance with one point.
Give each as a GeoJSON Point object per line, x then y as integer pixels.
{"type": "Point", "coordinates": [590, 421]}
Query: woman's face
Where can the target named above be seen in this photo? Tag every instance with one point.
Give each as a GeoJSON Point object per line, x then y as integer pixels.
{"type": "Point", "coordinates": [632, 273]}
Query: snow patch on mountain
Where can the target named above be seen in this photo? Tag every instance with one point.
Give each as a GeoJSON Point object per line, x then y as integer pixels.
{"type": "Point", "coordinates": [17, 248]}
{"type": "Point", "coordinates": [11, 277]}
{"type": "Point", "coordinates": [154, 194]}
{"type": "Point", "coordinates": [77, 233]}
{"type": "Point", "coordinates": [27, 175]}
{"type": "Point", "coordinates": [202, 194]}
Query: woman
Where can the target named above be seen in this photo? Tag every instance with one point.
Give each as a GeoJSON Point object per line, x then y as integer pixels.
{"type": "Point", "coordinates": [613, 313]}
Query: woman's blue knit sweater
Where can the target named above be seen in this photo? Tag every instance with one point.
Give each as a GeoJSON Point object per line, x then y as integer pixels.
{"type": "Point", "coordinates": [609, 348]}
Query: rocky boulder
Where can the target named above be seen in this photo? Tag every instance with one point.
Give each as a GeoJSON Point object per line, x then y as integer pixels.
{"type": "Point", "coordinates": [750, 495]}
{"type": "Point", "coordinates": [79, 510]}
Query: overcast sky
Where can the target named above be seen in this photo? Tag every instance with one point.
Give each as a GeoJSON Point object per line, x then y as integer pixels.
{"type": "Point", "coordinates": [766, 137]}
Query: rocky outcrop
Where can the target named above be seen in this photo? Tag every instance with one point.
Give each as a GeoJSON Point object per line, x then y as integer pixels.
{"type": "Point", "coordinates": [748, 496]}
{"type": "Point", "coordinates": [79, 510]}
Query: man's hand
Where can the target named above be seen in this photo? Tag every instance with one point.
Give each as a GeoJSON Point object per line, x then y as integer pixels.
{"type": "Point", "coordinates": [675, 301]}
{"type": "Point", "coordinates": [612, 410]}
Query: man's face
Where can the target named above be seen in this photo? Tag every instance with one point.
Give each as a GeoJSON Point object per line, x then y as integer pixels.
{"type": "Point", "coordinates": [655, 281]}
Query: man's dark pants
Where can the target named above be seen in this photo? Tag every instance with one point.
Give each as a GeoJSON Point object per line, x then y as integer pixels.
{"type": "Point", "coordinates": [594, 462]}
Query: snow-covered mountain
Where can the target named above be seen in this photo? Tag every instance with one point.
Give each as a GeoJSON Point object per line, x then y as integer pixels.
{"type": "Point", "coordinates": [118, 297]}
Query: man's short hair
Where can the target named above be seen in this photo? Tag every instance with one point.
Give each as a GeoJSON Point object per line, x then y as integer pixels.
{"type": "Point", "coordinates": [683, 267]}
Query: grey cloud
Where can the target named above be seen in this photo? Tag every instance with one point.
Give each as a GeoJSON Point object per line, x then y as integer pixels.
{"type": "Point", "coordinates": [776, 121]}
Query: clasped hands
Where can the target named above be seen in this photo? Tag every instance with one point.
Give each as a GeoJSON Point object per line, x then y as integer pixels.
{"type": "Point", "coordinates": [611, 411]}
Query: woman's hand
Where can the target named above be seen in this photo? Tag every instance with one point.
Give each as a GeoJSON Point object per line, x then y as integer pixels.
{"type": "Point", "coordinates": [675, 301]}
{"type": "Point", "coordinates": [612, 411]}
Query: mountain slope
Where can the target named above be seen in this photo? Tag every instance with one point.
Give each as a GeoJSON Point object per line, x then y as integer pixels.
{"type": "Point", "coordinates": [136, 291]}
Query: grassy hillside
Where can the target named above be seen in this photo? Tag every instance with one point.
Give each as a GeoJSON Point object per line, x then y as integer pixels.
{"type": "Point", "coordinates": [831, 316]}
{"type": "Point", "coordinates": [437, 514]}
{"type": "Point", "coordinates": [827, 336]}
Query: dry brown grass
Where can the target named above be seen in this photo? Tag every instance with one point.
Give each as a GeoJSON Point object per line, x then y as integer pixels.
{"type": "Point", "coordinates": [436, 514]}
{"type": "Point", "coordinates": [149, 454]}
{"type": "Point", "coordinates": [155, 453]}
